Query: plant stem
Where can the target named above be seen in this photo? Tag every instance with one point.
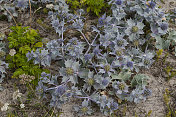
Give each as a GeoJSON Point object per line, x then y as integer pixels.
{"type": "Point", "coordinates": [91, 44]}
{"type": "Point", "coordinates": [85, 37]}
{"type": "Point", "coordinates": [11, 16]}
{"type": "Point", "coordinates": [30, 19]}
{"type": "Point", "coordinates": [63, 39]}
{"type": "Point", "coordinates": [58, 85]}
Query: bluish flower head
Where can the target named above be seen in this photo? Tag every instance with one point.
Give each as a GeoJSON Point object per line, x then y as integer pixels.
{"type": "Point", "coordinates": [130, 64]}
{"type": "Point", "coordinates": [45, 78]}
{"type": "Point", "coordinates": [146, 92]}
{"type": "Point", "coordinates": [120, 41]}
{"type": "Point", "coordinates": [114, 106]}
{"type": "Point", "coordinates": [50, 13]}
{"type": "Point", "coordinates": [138, 42]}
{"type": "Point", "coordinates": [160, 29]}
{"type": "Point", "coordinates": [29, 55]}
{"type": "Point", "coordinates": [96, 50]}
{"type": "Point", "coordinates": [78, 24]}
{"type": "Point", "coordinates": [119, 2]}
{"type": "Point", "coordinates": [134, 52]}
{"type": "Point", "coordinates": [74, 41]}
{"type": "Point", "coordinates": [22, 4]}
{"type": "Point", "coordinates": [55, 23]}
{"type": "Point", "coordinates": [70, 71]}
{"type": "Point", "coordinates": [161, 14]}
{"type": "Point", "coordinates": [74, 50]}
{"type": "Point", "coordinates": [105, 82]}
{"type": "Point", "coordinates": [102, 101]}
{"type": "Point", "coordinates": [61, 90]}
{"type": "Point", "coordinates": [105, 40]}
{"type": "Point", "coordinates": [102, 82]}
{"type": "Point", "coordinates": [106, 68]}
{"type": "Point", "coordinates": [136, 95]}
{"type": "Point", "coordinates": [119, 62]}
{"type": "Point", "coordinates": [147, 60]}
{"type": "Point", "coordinates": [71, 17]}
{"type": "Point", "coordinates": [118, 51]}
{"type": "Point", "coordinates": [120, 87]}
{"type": "Point", "coordinates": [41, 89]}
{"type": "Point", "coordinates": [102, 20]}
{"type": "Point", "coordinates": [134, 29]}
{"type": "Point", "coordinates": [42, 57]}
{"type": "Point", "coordinates": [44, 74]}
{"type": "Point", "coordinates": [52, 44]}
{"type": "Point", "coordinates": [91, 81]}
{"type": "Point", "coordinates": [54, 47]}
{"type": "Point", "coordinates": [164, 26]}
{"type": "Point", "coordinates": [84, 109]}
{"type": "Point", "coordinates": [151, 4]}
{"type": "Point", "coordinates": [68, 94]}
{"type": "Point", "coordinates": [88, 57]}
{"type": "Point", "coordinates": [154, 29]}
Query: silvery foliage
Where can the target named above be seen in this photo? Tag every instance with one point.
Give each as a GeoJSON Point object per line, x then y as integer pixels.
{"type": "Point", "coordinates": [139, 94]}
{"type": "Point", "coordinates": [84, 109]}
{"type": "Point", "coordinates": [107, 104]}
{"type": "Point", "coordinates": [167, 42]}
{"type": "Point", "coordinates": [40, 56]}
{"type": "Point", "coordinates": [172, 39]}
{"type": "Point", "coordinates": [9, 7]}
{"type": "Point", "coordinates": [3, 64]}
{"type": "Point", "coordinates": [98, 69]}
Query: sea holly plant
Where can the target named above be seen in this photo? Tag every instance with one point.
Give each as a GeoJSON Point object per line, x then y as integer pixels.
{"type": "Point", "coordinates": [96, 70]}
{"type": "Point", "coordinates": [70, 71]}
{"type": "Point", "coordinates": [40, 57]}
{"type": "Point", "coordinates": [168, 41]}
{"type": "Point", "coordinates": [84, 109]}
{"type": "Point", "coordinates": [10, 8]}
{"type": "Point", "coordinates": [107, 66]}
{"type": "Point", "coordinates": [3, 64]}
{"type": "Point", "coordinates": [134, 29]}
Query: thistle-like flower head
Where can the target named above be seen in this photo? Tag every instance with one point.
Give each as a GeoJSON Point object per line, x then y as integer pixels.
{"type": "Point", "coordinates": [151, 4]}
{"type": "Point", "coordinates": [119, 2]}
{"type": "Point", "coordinates": [134, 29]}
{"type": "Point", "coordinates": [106, 68]}
{"type": "Point", "coordinates": [84, 109]}
{"type": "Point", "coordinates": [22, 4]}
{"type": "Point", "coordinates": [120, 87]}
{"type": "Point", "coordinates": [102, 20]}
{"type": "Point", "coordinates": [114, 106]}
{"type": "Point", "coordinates": [70, 71]}
{"type": "Point", "coordinates": [61, 90]}
{"type": "Point", "coordinates": [146, 92]}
